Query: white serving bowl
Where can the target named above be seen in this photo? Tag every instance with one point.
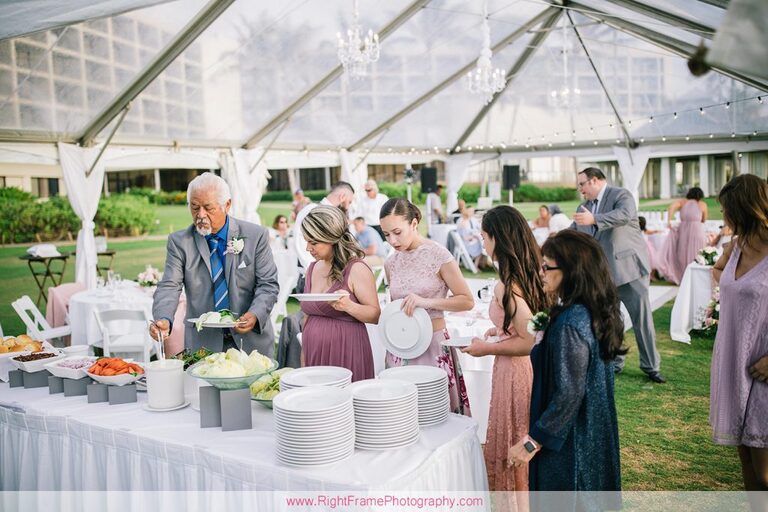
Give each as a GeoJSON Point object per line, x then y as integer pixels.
{"type": "Point", "coordinates": [36, 366]}
{"type": "Point", "coordinates": [117, 380]}
{"type": "Point", "coordinates": [69, 373]}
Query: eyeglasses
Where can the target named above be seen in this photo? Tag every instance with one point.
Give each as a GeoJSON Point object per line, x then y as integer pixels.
{"type": "Point", "coordinates": [582, 183]}
{"type": "Point", "coordinates": [369, 190]}
{"type": "Point", "coordinates": [547, 268]}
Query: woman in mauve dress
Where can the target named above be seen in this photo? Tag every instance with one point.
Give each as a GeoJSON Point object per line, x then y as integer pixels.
{"type": "Point", "coordinates": [517, 297]}
{"type": "Point", "coordinates": [738, 410]}
{"type": "Point", "coordinates": [421, 273]}
{"type": "Point", "coordinates": [686, 240]}
{"type": "Point", "coordinates": [334, 333]}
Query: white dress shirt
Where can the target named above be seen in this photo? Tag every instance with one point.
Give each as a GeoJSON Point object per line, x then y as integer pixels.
{"type": "Point", "coordinates": [298, 236]}
{"type": "Point", "coordinates": [369, 209]}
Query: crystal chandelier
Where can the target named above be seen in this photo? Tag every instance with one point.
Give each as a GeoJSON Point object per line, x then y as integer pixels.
{"type": "Point", "coordinates": [485, 80]}
{"type": "Point", "coordinates": [565, 96]}
{"type": "Point", "coordinates": [356, 52]}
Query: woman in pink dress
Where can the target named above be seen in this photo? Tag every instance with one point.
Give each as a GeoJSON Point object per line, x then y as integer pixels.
{"type": "Point", "coordinates": [686, 240]}
{"type": "Point", "coordinates": [738, 409]}
{"type": "Point", "coordinates": [421, 273]}
{"type": "Point", "coordinates": [516, 298]}
{"type": "Point", "coordinates": [334, 333]}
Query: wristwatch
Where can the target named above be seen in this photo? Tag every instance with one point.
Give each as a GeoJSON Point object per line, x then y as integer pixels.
{"type": "Point", "coordinates": [530, 446]}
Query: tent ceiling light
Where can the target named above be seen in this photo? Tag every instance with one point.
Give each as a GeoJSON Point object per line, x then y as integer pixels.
{"type": "Point", "coordinates": [485, 80]}
{"type": "Point", "coordinates": [356, 52]}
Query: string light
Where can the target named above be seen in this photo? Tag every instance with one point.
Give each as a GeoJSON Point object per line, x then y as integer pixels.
{"type": "Point", "coordinates": [594, 142]}
{"type": "Point", "coordinates": [701, 110]}
{"type": "Point", "coordinates": [760, 99]}
{"type": "Point", "coordinates": [458, 149]}
{"type": "Point", "coordinates": [573, 143]}
{"type": "Point", "coordinates": [663, 139]}
{"type": "Point", "coordinates": [687, 137]}
{"type": "Point", "coordinates": [733, 134]}
{"type": "Point", "coordinates": [642, 140]}
{"type": "Point", "coordinates": [650, 119]}
{"type": "Point", "coordinates": [674, 115]}
{"type": "Point", "coordinates": [629, 123]}
{"type": "Point", "coordinates": [754, 133]}
{"type": "Point", "coordinates": [711, 135]}
{"type": "Point", "coordinates": [727, 104]}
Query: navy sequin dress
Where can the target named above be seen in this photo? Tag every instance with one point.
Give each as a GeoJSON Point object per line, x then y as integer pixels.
{"type": "Point", "coordinates": [573, 417]}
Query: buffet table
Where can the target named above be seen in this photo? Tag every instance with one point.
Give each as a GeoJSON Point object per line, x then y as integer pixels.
{"type": "Point", "coordinates": [52, 442]}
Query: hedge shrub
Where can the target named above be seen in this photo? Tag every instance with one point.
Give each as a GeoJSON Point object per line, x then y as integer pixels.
{"type": "Point", "coordinates": [160, 196]}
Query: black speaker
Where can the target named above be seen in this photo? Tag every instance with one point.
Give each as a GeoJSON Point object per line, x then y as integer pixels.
{"type": "Point", "coordinates": [428, 179]}
{"type": "Point", "coordinates": [511, 177]}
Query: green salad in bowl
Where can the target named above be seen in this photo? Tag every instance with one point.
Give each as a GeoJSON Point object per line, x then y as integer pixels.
{"type": "Point", "coordinates": [267, 387]}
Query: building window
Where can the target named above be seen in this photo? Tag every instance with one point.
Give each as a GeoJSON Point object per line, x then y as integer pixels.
{"type": "Point", "coordinates": [45, 187]}
{"type": "Point", "coordinates": [2, 181]}
{"type": "Point", "coordinates": [312, 179]}
{"type": "Point", "coordinates": [278, 180]}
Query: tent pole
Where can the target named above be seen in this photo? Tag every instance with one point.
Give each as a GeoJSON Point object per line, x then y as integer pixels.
{"type": "Point", "coordinates": [109, 139]}
{"type": "Point", "coordinates": [674, 20]}
{"type": "Point", "coordinates": [269, 146]}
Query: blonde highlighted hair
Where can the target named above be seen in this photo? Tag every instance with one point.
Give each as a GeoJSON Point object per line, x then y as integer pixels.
{"type": "Point", "coordinates": [328, 225]}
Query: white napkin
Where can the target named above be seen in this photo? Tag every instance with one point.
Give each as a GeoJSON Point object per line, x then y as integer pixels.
{"type": "Point", "coordinates": [43, 251]}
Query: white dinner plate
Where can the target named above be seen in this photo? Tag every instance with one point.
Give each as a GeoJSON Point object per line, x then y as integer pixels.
{"type": "Point", "coordinates": [334, 376]}
{"type": "Point", "coordinates": [311, 399]}
{"type": "Point", "coordinates": [459, 342]}
{"type": "Point", "coordinates": [147, 407]}
{"type": "Point", "coordinates": [421, 375]}
{"type": "Point", "coordinates": [373, 390]}
{"type": "Point", "coordinates": [316, 297]}
{"type": "Point", "coordinates": [215, 325]}
{"type": "Point", "coordinates": [405, 336]}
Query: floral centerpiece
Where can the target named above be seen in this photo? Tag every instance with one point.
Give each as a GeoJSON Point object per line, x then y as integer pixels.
{"type": "Point", "coordinates": [150, 277]}
{"type": "Point", "coordinates": [707, 256]}
{"type": "Point", "coordinates": [709, 315]}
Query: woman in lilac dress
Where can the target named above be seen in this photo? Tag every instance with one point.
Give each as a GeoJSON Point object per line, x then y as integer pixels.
{"type": "Point", "coordinates": [686, 240]}
{"type": "Point", "coordinates": [422, 273]}
{"type": "Point", "coordinates": [334, 333]}
{"type": "Point", "coordinates": [738, 409]}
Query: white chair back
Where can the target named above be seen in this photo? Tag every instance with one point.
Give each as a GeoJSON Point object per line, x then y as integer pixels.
{"type": "Point", "coordinates": [125, 330]}
{"type": "Point", "coordinates": [461, 254]}
{"type": "Point", "coordinates": [31, 316]}
{"type": "Point", "coordinates": [287, 263]}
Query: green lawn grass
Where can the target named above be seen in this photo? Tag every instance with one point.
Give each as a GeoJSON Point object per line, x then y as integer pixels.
{"type": "Point", "coordinates": [665, 437]}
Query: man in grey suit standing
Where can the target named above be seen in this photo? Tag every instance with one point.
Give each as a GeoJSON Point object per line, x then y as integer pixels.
{"type": "Point", "coordinates": [222, 263]}
{"type": "Point", "coordinates": [609, 215]}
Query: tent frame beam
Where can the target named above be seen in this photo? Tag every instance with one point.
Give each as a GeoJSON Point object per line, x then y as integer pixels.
{"type": "Point", "coordinates": [324, 82]}
{"type": "Point", "coordinates": [679, 48]}
{"type": "Point", "coordinates": [521, 61]}
{"type": "Point", "coordinates": [511, 38]}
{"type": "Point", "coordinates": [674, 20]}
{"type": "Point", "coordinates": [723, 4]}
{"type": "Point", "coordinates": [202, 20]}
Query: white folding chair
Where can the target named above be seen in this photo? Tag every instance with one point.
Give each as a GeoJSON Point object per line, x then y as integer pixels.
{"type": "Point", "coordinates": [461, 254]}
{"type": "Point", "coordinates": [287, 264]}
{"type": "Point", "coordinates": [125, 330]}
{"type": "Point", "coordinates": [37, 326]}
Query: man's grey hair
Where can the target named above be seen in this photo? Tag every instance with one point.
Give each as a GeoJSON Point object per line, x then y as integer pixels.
{"type": "Point", "coordinates": [207, 181]}
{"type": "Point", "coordinates": [372, 184]}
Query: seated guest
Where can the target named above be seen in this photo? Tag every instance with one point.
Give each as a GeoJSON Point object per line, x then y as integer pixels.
{"type": "Point", "coordinates": [370, 242]}
{"type": "Point", "coordinates": [558, 221]}
{"type": "Point", "coordinates": [299, 202]}
{"type": "Point", "coordinates": [280, 232]}
{"type": "Point", "coordinates": [543, 219]}
{"type": "Point", "coordinates": [456, 214]}
{"type": "Point", "coordinates": [468, 228]}
{"type": "Point", "coordinates": [334, 333]}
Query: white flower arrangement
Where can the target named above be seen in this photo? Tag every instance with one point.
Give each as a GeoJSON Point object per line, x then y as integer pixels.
{"type": "Point", "coordinates": [538, 323]}
{"type": "Point", "coordinates": [707, 256]}
{"type": "Point", "coordinates": [235, 246]}
{"type": "Point", "coordinates": [150, 277]}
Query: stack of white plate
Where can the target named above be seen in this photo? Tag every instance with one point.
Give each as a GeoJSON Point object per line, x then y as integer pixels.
{"type": "Point", "coordinates": [333, 376]}
{"type": "Point", "coordinates": [432, 383]}
{"type": "Point", "coordinates": [314, 425]}
{"type": "Point", "coordinates": [386, 414]}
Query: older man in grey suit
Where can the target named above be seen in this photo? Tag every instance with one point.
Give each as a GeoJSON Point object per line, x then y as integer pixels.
{"type": "Point", "coordinates": [222, 263]}
{"type": "Point", "coordinates": [609, 214]}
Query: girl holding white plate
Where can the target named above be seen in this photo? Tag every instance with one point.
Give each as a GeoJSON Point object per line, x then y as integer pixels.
{"type": "Point", "coordinates": [519, 293]}
{"type": "Point", "coordinates": [421, 273]}
{"type": "Point", "coordinates": [334, 333]}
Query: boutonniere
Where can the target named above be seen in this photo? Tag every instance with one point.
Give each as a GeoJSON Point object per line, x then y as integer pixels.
{"type": "Point", "coordinates": [235, 246]}
{"type": "Point", "coordinates": [538, 324]}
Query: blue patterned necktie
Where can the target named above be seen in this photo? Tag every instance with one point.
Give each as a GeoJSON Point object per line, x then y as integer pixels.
{"type": "Point", "coordinates": [220, 292]}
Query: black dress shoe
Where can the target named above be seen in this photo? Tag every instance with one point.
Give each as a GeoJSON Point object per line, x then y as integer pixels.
{"type": "Point", "coordinates": [617, 370]}
{"type": "Point", "coordinates": [657, 377]}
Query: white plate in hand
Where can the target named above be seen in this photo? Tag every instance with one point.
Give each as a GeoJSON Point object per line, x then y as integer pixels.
{"type": "Point", "coordinates": [215, 325]}
{"type": "Point", "coordinates": [458, 342]}
{"type": "Point", "coordinates": [405, 336]}
{"type": "Point", "coordinates": [316, 297]}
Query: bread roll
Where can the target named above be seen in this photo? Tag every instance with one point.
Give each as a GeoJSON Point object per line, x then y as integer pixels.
{"type": "Point", "coordinates": [3, 349]}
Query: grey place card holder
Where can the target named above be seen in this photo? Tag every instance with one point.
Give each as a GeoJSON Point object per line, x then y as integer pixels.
{"type": "Point", "coordinates": [76, 387]}
{"type": "Point", "coordinates": [236, 409]}
{"type": "Point", "coordinates": [210, 407]}
{"type": "Point", "coordinates": [16, 378]}
{"type": "Point", "coordinates": [36, 379]}
{"type": "Point", "coordinates": [55, 385]}
{"type": "Point", "coordinates": [122, 394]}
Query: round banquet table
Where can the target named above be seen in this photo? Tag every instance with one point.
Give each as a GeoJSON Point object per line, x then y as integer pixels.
{"type": "Point", "coordinates": [694, 293]}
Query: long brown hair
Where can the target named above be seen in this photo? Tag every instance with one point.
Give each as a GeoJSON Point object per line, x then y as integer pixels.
{"type": "Point", "coordinates": [519, 260]}
{"type": "Point", "coordinates": [328, 225]}
{"type": "Point", "coordinates": [587, 280]}
{"type": "Point", "coordinates": [745, 208]}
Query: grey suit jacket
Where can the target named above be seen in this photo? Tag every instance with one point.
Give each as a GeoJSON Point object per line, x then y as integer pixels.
{"type": "Point", "coordinates": [618, 233]}
{"type": "Point", "coordinates": [251, 280]}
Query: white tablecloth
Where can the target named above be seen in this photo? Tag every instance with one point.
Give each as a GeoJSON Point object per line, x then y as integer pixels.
{"type": "Point", "coordinates": [52, 442]}
{"type": "Point", "coordinates": [82, 305]}
{"type": "Point", "coordinates": [695, 291]}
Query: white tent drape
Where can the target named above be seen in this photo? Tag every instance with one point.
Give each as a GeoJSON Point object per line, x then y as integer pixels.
{"type": "Point", "coordinates": [83, 193]}
{"type": "Point", "coordinates": [456, 171]}
{"type": "Point", "coordinates": [632, 164]}
{"type": "Point", "coordinates": [246, 185]}
{"type": "Point", "coordinates": [354, 176]}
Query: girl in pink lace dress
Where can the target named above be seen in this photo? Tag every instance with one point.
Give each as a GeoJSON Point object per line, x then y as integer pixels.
{"type": "Point", "coordinates": [738, 410]}
{"type": "Point", "coordinates": [334, 333]}
{"type": "Point", "coordinates": [519, 295]}
{"type": "Point", "coordinates": [421, 273]}
{"type": "Point", "coordinates": [686, 240]}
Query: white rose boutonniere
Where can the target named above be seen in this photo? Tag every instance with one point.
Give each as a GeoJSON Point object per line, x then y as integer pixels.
{"type": "Point", "coordinates": [538, 324]}
{"type": "Point", "coordinates": [235, 246]}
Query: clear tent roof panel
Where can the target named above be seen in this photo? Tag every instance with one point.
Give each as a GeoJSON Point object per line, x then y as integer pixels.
{"type": "Point", "coordinates": [56, 81]}
{"type": "Point", "coordinates": [427, 49]}
{"type": "Point", "coordinates": [257, 58]}
{"type": "Point", "coordinates": [643, 80]}
{"type": "Point", "coordinates": [698, 11]}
